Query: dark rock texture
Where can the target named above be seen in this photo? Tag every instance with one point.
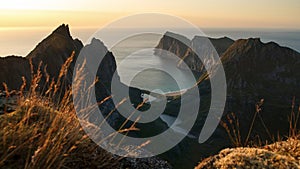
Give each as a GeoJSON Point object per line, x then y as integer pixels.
{"type": "Point", "coordinates": [189, 51]}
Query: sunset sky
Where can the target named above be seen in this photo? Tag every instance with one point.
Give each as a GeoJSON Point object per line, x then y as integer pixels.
{"type": "Point", "coordinates": [204, 13]}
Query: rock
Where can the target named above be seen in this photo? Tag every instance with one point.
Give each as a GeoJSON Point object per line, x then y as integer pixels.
{"type": "Point", "coordinates": [174, 43]}
{"type": "Point", "coordinates": [272, 156]}
{"type": "Point", "coordinates": [186, 49]}
{"type": "Point", "coordinates": [144, 163]}
{"type": "Point", "coordinates": [53, 51]}
{"type": "Point", "coordinates": [140, 163]}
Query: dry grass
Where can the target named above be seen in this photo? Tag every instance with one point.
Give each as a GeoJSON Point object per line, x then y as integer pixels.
{"type": "Point", "coordinates": [44, 131]}
{"type": "Point", "coordinates": [250, 153]}
{"type": "Point", "coordinates": [232, 127]}
{"type": "Point", "coordinates": [231, 124]}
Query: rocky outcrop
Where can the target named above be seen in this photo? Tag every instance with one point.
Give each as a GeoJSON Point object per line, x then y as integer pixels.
{"type": "Point", "coordinates": [254, 61]}
{"type": "Point", "coordinates": [52, 52]}
{"type": "Point", "coordinates": [143, 163]}
{"type": "Point", "coordinates": [173, 43]}
{"type": "Point", "coordinates": [283, 154]}
{"type": "Point", "coordinates": [190, 51]}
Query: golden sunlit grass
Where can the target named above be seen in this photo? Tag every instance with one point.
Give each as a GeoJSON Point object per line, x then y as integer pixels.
{"type": "Point", "coordinates": [249, 153]}
{"type": "Point", "coordinates": [44, 131]}
{"type": "Point", "coordinates": [231, 125]}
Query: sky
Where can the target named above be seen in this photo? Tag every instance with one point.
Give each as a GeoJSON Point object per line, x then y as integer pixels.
{"type": "Point", "coordinates": [203, 13]}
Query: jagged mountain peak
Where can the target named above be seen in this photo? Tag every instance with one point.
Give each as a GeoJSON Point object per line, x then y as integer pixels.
{"type": "Point", "coordinates": [255, 48]}
{"type": "Point", "coordinates": [254, 43]}
{"type": "Point", "coordinates": [59, 44]}
{"type": "Point", "coordinates": [99, 44]}
{"type": "Point", "coordinates": [52, 51]}
{"type": "Point", "coordinates": [247, 43]}
{"type": "Point", "coordinates": [63, 30]}
{"type": "Point", "coordinates": [251, 60]}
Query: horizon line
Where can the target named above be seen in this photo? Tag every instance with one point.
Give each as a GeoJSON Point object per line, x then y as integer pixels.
{"type": "Point", "coordinates": [128, 27]}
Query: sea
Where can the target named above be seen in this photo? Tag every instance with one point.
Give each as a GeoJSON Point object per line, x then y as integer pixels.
{"type": "Point", "coordinates": [137, 64]}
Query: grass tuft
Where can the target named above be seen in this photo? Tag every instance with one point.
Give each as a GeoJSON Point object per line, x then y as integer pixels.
{"type": "Point", "coordinates": [44, 132]}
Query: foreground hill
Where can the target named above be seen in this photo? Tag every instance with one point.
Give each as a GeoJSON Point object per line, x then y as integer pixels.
{"type": "Point", "coordinates": [284, 154]}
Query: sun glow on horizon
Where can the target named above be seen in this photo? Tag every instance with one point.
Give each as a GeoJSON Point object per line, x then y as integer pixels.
{"type": "Point", "coordinates": [230, 13]}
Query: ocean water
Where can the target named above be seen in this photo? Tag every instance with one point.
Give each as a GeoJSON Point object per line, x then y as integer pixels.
{"type": "Point", "coordinates": [136, 54]}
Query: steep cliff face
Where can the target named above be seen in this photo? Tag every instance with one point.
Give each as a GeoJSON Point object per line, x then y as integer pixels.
{"type": "Point", "coordinates": [54, 50]}
{"type": "Point", "coordinates": [190, 51]}
{"type": "Point", "coordinates": [173, 43]}
{"type": "Point", "coordinates": [96, 51]}
{"type": "Point", "coordinates": [255, 71]}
